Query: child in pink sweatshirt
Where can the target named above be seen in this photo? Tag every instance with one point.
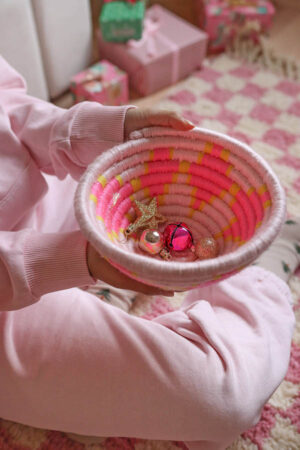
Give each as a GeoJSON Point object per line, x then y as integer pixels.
{"type": "Point", "coordinates": [70, 362]}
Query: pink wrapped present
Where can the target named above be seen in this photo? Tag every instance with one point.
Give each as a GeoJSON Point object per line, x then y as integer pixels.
{"type": "Point", "coordinates": [103, 82]}
{"type": "Point", "coordinates": [224, 20]}
{"type": "Point", "coordinates": [170, 49]}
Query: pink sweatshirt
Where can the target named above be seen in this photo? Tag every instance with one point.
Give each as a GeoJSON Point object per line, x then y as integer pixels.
{"type": "Point", "coordinates": [37, 137]}
{"type": "Point", "coordinates": [73, 363]}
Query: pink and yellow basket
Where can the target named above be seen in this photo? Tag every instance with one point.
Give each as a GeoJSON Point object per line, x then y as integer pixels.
{"type": "Point", "coordinates": [217, 185]}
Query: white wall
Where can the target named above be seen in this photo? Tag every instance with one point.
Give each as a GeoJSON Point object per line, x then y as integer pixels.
{"type": "Point", "coordinates": [19, 44]}
{"type": "Point", "coordinates": [65, 33]}
{"type": "Point", "coordinates": [47, 41]}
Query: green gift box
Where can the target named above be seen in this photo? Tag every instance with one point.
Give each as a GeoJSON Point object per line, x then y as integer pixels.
{"type": "Point", "coordinates": [122, 20]}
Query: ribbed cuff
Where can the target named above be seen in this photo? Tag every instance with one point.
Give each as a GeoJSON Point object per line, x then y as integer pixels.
{"type": "Point", "coordinates": [56, 261]}
{"type": "Point", "coordinates": [94, 122]}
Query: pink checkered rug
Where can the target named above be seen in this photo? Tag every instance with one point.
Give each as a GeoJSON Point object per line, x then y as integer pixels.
{"type": "Point", "coordinates": [262, 109]}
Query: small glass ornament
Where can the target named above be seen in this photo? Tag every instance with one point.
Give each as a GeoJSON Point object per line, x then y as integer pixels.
{"type": "Point", "coordinates": [151, 241]}
{"type": "Point", "coordinates": [177, 237]}
{"type": "Point", "coordinates": [206, 248]}
{"type": "Point", "coordinates": [147, 217]}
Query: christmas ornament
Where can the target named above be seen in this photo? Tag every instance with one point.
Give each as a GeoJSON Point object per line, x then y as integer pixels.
{"type": "Point", "coordinates": [206, 247]}
{"type": "Point", "coordinates": [147, 216]}
{"type": "Point", "coordinates": [178, 237]}
{"type": "Point", "coordinates": [151, 241]}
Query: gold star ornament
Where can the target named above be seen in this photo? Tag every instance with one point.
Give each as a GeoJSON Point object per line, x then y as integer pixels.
{"type": "Point", "coordinates": [147, 217]}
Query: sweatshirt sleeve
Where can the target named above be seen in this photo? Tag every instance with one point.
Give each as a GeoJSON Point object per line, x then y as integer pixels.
{"type": "Point", "coordinates": [33, 264]}
{"type": "Point", "coordinates": [59, 141]}
{"type": "Point", "coordinates": [37, 136]}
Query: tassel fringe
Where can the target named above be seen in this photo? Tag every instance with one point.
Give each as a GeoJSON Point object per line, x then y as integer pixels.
{"type": "Point", "coordinates": [265, 57]}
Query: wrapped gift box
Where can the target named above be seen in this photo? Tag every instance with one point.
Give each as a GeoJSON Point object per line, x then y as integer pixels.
{"type": "Point", "coordinates": [103, 82]}
{"type": "Point", "coordinates": [122, 20]}
{"type": "Point", "coordinates": [224, 20]}
{"type": "Point", "coordinates": [170, 49]}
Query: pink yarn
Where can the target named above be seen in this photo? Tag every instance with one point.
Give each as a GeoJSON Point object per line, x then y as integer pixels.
{"type": "Point", "coordinates": [214, 183]}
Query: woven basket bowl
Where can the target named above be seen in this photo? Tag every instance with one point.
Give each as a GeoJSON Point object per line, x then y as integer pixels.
{"type": "Point", "coordinates": [215, 184]}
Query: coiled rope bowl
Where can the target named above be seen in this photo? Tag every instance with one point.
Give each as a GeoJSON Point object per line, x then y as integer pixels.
{"type": "Point", "coordinates": [215, 184]}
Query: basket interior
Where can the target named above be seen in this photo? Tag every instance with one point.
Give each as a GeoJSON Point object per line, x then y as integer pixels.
{"type": "Point", "coordinates": [215, 191]}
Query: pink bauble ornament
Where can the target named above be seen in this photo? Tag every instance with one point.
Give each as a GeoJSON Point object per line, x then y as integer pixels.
{"type": "Point", "coordinates": [151, 241]}
{"type": "Point", "coordinates": [206, 248]}
{"type": "Point", "coordinates": [177, 237]}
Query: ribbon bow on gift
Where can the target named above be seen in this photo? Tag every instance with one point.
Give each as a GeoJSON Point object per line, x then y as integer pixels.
{"type": "Point", "coordinates": [151, 38]}
{"type": "Point", "coordinates": [92, 77]}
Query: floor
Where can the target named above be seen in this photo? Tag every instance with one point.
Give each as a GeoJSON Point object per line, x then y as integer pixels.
{"type": "Point", "coordinates": [283, 38]}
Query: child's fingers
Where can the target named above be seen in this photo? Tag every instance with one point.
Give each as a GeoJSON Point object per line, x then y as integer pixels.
{"type": "Point", "coordinates": [137, 119]}
{"type": "Point", "coordinates": [167, 119]}
{"type": "Point", "coordinates": [120, 280]}
{"type": "Point", "coordinates": [148, 290]}
{"type": "Point", "coordinates": [101, 269]}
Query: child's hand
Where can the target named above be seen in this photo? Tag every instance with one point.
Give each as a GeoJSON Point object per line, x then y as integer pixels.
{"type": "Point", "coordinates": [136, 119]}
{"type": "Point", "coordinates": [100, 269]}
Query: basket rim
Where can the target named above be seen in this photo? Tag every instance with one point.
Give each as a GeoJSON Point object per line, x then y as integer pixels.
{"type": "Point", "coordinates": [192, 270]}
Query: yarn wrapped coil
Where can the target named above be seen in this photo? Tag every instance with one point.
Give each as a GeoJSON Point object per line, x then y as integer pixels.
{"type": "Point", "coordinates": [216, 184]}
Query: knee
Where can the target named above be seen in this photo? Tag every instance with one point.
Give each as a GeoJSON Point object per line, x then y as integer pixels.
{"type": "Point", "coordinates": [222, 413]}
{"type": "Point", "coordinates": [235, 416]}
